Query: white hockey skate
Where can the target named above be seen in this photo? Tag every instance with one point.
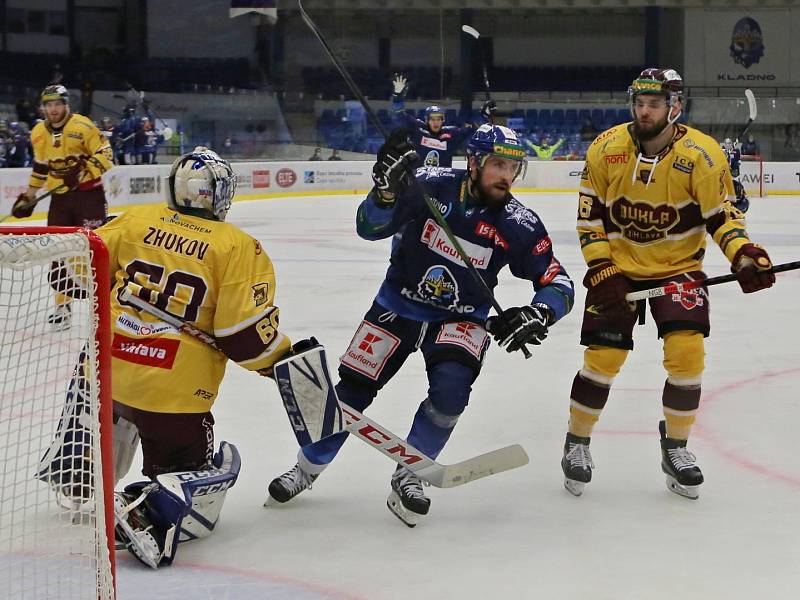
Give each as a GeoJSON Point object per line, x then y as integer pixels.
{"type": "Point", "coordinates": [683, 475]}
{"type": "Point", "coordinates": [577, 464]}
{"type": "Point", "coordinates": [133, 530]}
{"type": "Point", "coordinates": [61, 318]}
{"type": "Point", "coordinates": [407, 500]}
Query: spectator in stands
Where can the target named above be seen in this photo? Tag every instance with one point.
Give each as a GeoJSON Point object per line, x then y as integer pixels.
{"type": "Point", "coordinates": [25, 112]}
{"type": "Point", "coordinates": [588, 130]}
{"type": "Point", "coordinates": [317, 154]}
{"type": "Point", "coordinates": [335, 155]}
{"type": "Point", "coordinates": [544, 151]}
{"type": "Point", "coordinates": [18, 146]}
{"type": "Point", "coordinates": [750, 146]}
{"type": "Point", "coordinates": [792, 142]}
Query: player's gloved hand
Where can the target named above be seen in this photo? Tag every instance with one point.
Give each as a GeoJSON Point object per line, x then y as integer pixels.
{"type": "Point", "coordinates": [606, 289]}
{"type": "Point", "coordinates": [399, 85]}
{"type": "Point", "coordinates": [23, 207]}
{"type": "Point", "coordinates": [297, 348]}
{"type": "Point", "coordinates": [751, 265]}
{"type": "Point", "coordinates": [396, 161]}
{"type": "Point", "coordinates": [489, 110]}
{"type": "Point", "coordinates": [71, 175]}
{"type": "Point", "coordinates": [520, 325]}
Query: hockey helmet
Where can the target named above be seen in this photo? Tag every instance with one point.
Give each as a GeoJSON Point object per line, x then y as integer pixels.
{"type": "Point", "coordinates": [497, 140]}
{"type": "Point", "coordinates": [201, 180]}
{"type": "Point", "coordinates": [664, 82]}
{"type": "Point", "coordinates": [55, 92]}
{"type": "Point", "coordinates": [433, 111]}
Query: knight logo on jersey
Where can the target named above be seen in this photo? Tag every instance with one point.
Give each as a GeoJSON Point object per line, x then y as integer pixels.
{"type": "Point", "coordinates": [642, 223]}
{"type": "Point", "coordinates": [470, 336]}
{"type": "Point", "coordinates": [369, 350]}
{"type": "Point", "coordinates": [439, 287]}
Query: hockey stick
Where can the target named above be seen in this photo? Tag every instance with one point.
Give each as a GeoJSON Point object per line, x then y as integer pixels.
{"type": "Point", "coordinates": [36, 201]}
{"type": "Point", "coordinates": [373, 434]}
{"type": "Point", "coordinates": [471, 31]}
{"type": "Point", "coordinates": [753, 108]}
{"type": "Point", "coordinates": [414, 182]}
{"type": "Point", "coordinates": [677, 288]}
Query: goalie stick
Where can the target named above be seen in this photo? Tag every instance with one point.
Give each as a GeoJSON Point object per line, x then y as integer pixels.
{"type": "Point", "coordinates": [753, 112]}
{"type": "Point", "coordinates": [677, 288]}
{"type": "Point", "coordinates": [437, 216]}
{"type": "Point", "coordinates": [375, 435]}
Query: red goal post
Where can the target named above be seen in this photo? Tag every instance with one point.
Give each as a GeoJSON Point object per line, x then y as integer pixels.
{"type": "Point", "coordinates": [56, 486]}
{"type": "Point", "coordinates": [751, 175]}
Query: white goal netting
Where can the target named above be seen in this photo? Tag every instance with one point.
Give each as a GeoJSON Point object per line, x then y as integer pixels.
{"type": "Point", "coordinates": [53, 506]}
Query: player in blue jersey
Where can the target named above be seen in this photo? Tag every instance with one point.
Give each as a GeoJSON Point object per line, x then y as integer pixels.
{"type": "Point", "coordinates": [734, 155]}
{"type": "Point", "coordinates": [433, 141]}
{"type": "Point", "coordinates": [428, 300]}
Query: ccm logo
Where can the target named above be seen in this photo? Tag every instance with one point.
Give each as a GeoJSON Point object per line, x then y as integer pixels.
{"type": "Point", "coordinates": [388, 443]}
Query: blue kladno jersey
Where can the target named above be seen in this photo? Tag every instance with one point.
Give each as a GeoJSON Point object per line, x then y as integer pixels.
{"type": "Point", "coordinates": [435, 149]}
{"type": "Point", "coordinates": [427, 280]}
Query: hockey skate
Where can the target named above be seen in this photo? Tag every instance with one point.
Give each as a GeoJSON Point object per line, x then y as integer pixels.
{"type": "Point", "coordinates": [133, 529]}
{"type": "Point", "coordinates": [407, 500]}
{"type": "Point", "coordinates": [577, 464]}
{"type": "Point", "coordinates": [61, 318]}
{"type": "Point", "coordinates": [683, 475]}
{"type": "Point", "coordinates": [287, 486]}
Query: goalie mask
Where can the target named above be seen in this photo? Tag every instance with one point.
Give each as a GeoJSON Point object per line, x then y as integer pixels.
{"type": "Point", "coordinates": [201, 180]}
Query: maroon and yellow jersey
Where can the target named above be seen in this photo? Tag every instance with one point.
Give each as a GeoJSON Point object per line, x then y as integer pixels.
{"type": "Point", "coordinates": [208, 273]}
{"type": "Point", "coordinates": [650, 215]}
{"type": "Point", "coordinates": [77, 150]}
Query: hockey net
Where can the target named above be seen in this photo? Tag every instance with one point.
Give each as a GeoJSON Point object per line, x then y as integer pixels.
{"type": "Point", "coordinates": [751, 175]}
{"type": "Point", "coordinates": [56, 480]}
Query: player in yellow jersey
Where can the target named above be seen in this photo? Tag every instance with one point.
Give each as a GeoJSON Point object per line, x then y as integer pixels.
{"type": "Point", "coordinates": [186, 260]}
{"type": "Point", "coordinates": [651, 191]}
{"type": "Point", "coordinates": [70, 155]}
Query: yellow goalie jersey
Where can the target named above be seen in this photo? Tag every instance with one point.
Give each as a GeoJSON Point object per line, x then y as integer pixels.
{"type": "Point", "coordinates": [78, 149]}
{"type": "Point", "coordinates": [650, 215]}
{"type": "Point", "coordinates": [209, 273]}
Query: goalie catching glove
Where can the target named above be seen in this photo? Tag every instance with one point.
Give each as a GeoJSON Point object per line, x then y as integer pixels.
{"type": "Point", "coordinates": [752, 265]}
{"type": "Point", "coordinates": [521, 325]}
{"type": "Point", "coordinates": [394, 167]}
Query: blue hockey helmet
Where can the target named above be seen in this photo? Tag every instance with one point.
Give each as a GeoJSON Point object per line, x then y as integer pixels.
{"type": "Point", "coordinates": [496, 140]}
{"type": "Point", "coordinates": [434, 111]}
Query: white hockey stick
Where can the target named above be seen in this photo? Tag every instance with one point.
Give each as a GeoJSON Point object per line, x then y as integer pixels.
{"type": "Point", "coordinates": [753, 111]}
{"type": "Point", "coordinates": [373, 434]}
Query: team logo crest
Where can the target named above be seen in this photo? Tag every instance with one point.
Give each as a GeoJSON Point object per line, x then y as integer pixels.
{"type": "Point", "coordinates": [747, 43]}
{"type": "Point", "coordinates": [439, 287]}
{"type": "Point", "coordinates": [643, 223]}
{"type": "Point", "coordinates": [260, 293]}
{"type": "Point", "coordinates": [688, 299]}
{"type": "Point", "coordinates": [432, 159]}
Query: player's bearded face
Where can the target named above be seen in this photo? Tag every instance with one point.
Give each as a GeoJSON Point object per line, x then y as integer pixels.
{"type": "Point", "coordinates": [495, 178]}
{"type": "Point", "coordinates": [651, 116]}
{"type": "Point", "coordinates": [55, 110]}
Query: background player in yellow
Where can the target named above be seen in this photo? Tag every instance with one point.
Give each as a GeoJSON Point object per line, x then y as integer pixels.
{"type": "Point", "coordinates": [186, 260]}
{"type": "Point", "coordinates": [651, 191]}
{"type": "Point", "coordinates": [69, 154]}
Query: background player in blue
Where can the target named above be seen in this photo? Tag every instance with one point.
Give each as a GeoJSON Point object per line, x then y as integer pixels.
{"type": "Point", "coordinates": [433, 141]}
{"type": "Point", "coordinates": [734, 156]}
{"type": "Point", "coordinates": [429, 302]}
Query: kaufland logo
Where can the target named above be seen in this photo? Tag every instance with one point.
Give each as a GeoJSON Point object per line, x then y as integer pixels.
{"type": "Point", "coordinates": [470, 336]}
{"type": "Point", "coordinates": [436, 239]}
{"type": "Point", "coordinates": [368, 341]}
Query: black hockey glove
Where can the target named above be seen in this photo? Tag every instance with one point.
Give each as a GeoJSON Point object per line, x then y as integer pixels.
{"type": "Point", "coordinates": [397, 160]}
{"type": "Point", "coordinates": [489, 110]}
{"type": "Point", "coordinates": [521, 325]}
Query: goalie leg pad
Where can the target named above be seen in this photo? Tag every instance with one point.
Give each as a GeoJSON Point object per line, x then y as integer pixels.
{"type": "Point", "coordinates": [125, 442]}
{"type": "Point", "coordinates": [304, 383]}
{"type": "Point", "coordinates": [185, 505]}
